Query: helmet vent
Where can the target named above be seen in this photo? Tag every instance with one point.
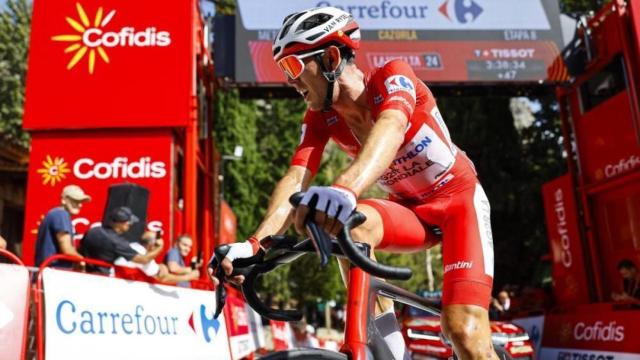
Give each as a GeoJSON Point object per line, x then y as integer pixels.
{"type": "Point", "coordinates": [288, 22]}
{"type": "Point", "coordinates": [314, 36]}
{"type": "Point", "coordinates": [314, 21]}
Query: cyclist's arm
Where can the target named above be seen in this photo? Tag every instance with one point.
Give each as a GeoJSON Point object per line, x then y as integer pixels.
{"type": "Point", "coordinates": [377, 153]}
{"type": "Point", "coordinates": [278, 216]}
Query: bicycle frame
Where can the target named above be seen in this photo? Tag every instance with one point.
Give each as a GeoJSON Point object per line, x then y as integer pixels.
{"type": "Point", "coordinates": [362, 339]}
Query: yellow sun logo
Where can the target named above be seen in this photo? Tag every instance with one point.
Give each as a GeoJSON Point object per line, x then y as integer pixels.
{"type": "Point", "coordinates": [84, 27]}
{"type": "Point", "coordinates": [53, 170]}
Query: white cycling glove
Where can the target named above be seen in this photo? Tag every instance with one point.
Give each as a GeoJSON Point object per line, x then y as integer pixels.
{"type": "Point", "coordinates": [336, 202]}
{"type": "Point", "coordinates": [240, 251]}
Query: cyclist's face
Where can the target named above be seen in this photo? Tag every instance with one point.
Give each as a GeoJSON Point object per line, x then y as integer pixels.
{"type": "Point", "coordinates": [311, 84]}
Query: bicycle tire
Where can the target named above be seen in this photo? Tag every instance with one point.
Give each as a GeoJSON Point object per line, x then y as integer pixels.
{"type": "Point", "coordinates": [297, 354]}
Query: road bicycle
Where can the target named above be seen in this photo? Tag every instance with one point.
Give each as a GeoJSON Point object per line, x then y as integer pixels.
{"type": "Point", "coordinates": [362, 340]}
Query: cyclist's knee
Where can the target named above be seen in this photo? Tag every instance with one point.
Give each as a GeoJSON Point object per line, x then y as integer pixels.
{"type": "Point", "coordinates": [466, 327]}
{"type": "Point", "coordinates": [372, 230]}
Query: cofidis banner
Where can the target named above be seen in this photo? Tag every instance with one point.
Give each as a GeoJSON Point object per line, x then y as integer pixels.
{"type": "Point", "coordinates": [110, 63]}
{"type": "Point", "coordinates": [96, 317]}
{"type": "Point", "coordinates": [94, 161]}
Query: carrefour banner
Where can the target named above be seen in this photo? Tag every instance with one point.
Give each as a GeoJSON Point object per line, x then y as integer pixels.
{"type": "Point", "coordinates": [94, 161]}
{"type": "Point", "coordinates": [110, 63]}
{"type": "Point", "coordinates": [97, 317]}
{"type": "Point", "coordinates": [443, 40]}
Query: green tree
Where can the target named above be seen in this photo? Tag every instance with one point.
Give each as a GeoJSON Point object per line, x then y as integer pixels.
{"type": "Point", "coordinates": [15, 24]}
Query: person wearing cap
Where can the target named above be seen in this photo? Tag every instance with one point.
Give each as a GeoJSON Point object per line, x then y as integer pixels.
{"type": "Point", "coordinates": [55, 233]}
{"type": "Point", "coordinates": [106, 242]}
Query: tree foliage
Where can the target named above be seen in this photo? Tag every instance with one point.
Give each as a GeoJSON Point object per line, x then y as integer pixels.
{"type": "Point", "coordinates": [15, 24]}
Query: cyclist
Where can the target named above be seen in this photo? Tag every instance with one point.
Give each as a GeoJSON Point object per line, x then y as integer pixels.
{"type": "Point", "coordinates": [388, 122]}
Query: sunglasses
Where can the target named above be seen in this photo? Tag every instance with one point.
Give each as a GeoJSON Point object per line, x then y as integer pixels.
{"type": "Point", "coordinates": [293, 66]}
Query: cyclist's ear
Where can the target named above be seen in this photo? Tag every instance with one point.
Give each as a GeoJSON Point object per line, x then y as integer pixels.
{"type": "Point", "coordinates": [332, 58]}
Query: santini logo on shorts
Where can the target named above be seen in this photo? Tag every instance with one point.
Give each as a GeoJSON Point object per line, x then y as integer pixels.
{"type": "Point", "coordinates": [458, 266]}
{"type": "Point", "coordinates": [397, 83]}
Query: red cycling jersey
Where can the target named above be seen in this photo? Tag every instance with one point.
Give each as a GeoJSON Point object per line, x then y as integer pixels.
{"type": "Point", "coordinates": [430, 181]}
{"type": "Point", "coordinates": [426, 160]}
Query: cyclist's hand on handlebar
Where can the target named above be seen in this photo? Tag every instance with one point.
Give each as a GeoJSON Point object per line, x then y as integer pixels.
{"type": "Point", "coordinates": [332, 206]}
{"type": "Point", "coordinates": [236, 251]}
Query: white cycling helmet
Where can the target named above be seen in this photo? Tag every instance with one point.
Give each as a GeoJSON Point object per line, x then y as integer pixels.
{"type": "Point", "coordinates": [315, 28]}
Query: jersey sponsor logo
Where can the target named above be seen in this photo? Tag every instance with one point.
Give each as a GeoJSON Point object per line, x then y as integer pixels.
{"type": "Point", "coordinates": [463, 11]}
{"type": "Point", "coordinates": [397, 83]}
{"type": "Point", "coordinates": [460, 265]}
{"type": "Point", "coordinates": [92, 39]}
{"type": "Point", "coordinates": [332, 120]}
{"type": "Point", "coordinates": [53, 170]}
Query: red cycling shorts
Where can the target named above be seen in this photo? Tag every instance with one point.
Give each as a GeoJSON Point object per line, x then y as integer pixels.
{"type": "Point", "coordinates": [467, 246]}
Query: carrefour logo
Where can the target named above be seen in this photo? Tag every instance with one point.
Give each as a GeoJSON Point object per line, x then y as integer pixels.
{"type": "Point", "coordinates": [207, 324]}
{"type": "Point", "coordinates": [92, 38]}
{"type": "Point", "coordinates": [54, 169]}
{"type": "Point", "coordinates": [463, 11]}
{"type": "Point", "coordinates": [397, 83]}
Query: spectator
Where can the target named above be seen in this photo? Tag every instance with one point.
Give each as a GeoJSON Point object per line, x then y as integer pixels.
{"type": "Point", "coordinates": [500, 306]}
{"type": "Point", "coordinates": [175, 258]}
{"type": "Point", "coordinates": [148, 242]}
{"type": "Point", "coordinates": [303, 336]}
{"type": "Point", "coordinates": [106, 242]}
{"type": "Point", "coordinates": [55, 233]}
{"type": "Point", "coordinates": [630, 282]}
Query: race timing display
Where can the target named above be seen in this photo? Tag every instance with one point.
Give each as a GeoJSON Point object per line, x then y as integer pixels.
{"type": "Point", "coordinates": [444, 41]}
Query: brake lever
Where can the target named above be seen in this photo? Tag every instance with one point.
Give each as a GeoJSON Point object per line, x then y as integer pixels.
{"type": "Point", "coordinates": [320, 239]}
{"type": "Point", "coordinates": [240, 267]}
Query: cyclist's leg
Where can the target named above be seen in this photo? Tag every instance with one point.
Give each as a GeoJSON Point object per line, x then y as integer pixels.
{"type": "Point", "coordinates": [390, 227]}
{"type": "Point", "coordinates": [388, 224]}
{"type": "Point", "coordinates": [468, 274]}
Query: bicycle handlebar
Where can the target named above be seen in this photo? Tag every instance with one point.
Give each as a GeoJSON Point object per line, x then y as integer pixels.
{"type": "Point", "coordinates": [320, 242]}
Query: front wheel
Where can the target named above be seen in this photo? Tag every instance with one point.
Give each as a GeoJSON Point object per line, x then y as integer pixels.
{"type": "Point", "coordinates": [306, 354]}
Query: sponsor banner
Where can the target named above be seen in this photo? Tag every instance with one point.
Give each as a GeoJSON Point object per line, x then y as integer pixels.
{"type": "Point", "coordinates": [607, 150]}
{"type": "Point", "coordinates": [107, 318]}
{"type": "Point", "coordinates": [281, 334]}
{"type": "Point", "coordinates": [438, 61]}
{"type": "Point", "coordinates": [561, 213]}
{"type": "Point", "coordinates": [240, 338]}
{"type": "Point", "coordinates": [109, 63]}
{"type": "Point", "coordinates": [533, 325]}
{"type": "Point", "coordinates": [14, 292]}
{"type": "Point", "coordinates": [256, 328]}
{"type": "Point", "coordinates": [444, 41]}
{"type": "Point", "coordinates": [577, 354]}
{"type": "Point", "coordinates": [593, 327]}
{"type": "Point", "coordinates": [408, 14]}
{"type": "Point", "coordinates": [94, 161]}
